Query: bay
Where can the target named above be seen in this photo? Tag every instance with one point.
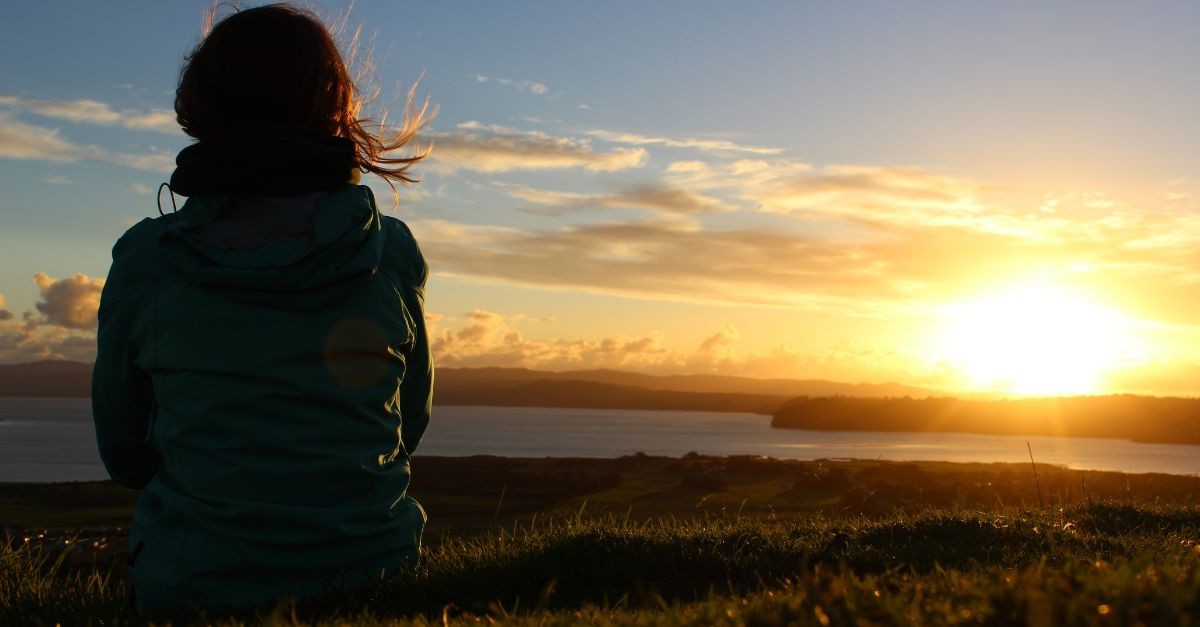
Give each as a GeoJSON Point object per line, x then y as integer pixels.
{"type": "Point", "coordinates": [52, 439]}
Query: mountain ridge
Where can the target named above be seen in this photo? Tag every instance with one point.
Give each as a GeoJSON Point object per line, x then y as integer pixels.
{"type": "Point", "coordinates": [524, 386]}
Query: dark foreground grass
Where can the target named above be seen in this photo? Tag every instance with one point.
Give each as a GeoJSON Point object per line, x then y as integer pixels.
{"type": "Point", "coordinates": [1090, 564]}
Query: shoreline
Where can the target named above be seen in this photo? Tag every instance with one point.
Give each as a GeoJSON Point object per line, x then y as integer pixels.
{"type": "Point", "coordinates": [879, 416]}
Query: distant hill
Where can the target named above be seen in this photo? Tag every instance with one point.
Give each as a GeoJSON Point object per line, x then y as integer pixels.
{"type": "Point", "coordinates": [1138, 418]}
{"type": "Point", "coordinates": [591, 394]}
{"type": "Point", "coordinates": [46, 378]}
{"type": "Point", "coordinates": [703, 383]}
{"type": "Point", "coordinates": [520, 387]}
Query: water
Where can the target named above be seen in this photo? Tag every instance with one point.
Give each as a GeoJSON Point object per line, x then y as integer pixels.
{"type": "Point", "coordinates": [53, 440]}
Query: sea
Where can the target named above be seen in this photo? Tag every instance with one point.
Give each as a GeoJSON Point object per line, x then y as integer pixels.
{"type": "Point", "coordinates": [52, 439]}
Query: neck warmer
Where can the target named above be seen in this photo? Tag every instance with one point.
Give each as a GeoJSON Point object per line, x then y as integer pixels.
{"type": "Point", "coordinates": [273, 164]}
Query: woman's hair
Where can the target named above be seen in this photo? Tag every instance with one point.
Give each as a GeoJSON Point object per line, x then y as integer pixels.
{"type": "Point", "coordinates": [278, 67]}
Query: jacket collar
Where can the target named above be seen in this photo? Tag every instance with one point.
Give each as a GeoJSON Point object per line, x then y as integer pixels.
{"type": "Point", "coordinates": [265, 162]}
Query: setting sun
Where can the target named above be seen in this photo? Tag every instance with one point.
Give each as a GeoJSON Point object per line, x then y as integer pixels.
{"type": "Point", "coordinates": [1035, 340]}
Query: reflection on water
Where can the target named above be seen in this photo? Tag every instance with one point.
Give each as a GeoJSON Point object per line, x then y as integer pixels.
{"type": "Point", "coordinates": [52, 440]}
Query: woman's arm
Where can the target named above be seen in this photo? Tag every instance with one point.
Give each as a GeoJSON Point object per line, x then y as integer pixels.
{"type": "Point", "coordinates": [416, 390]}
{"type": "Point", "coordinates": [122, 393]}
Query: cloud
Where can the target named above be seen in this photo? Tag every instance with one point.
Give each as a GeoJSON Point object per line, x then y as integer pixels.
{"type": "Point", "coordinates": [70, 303]}
{"type": "Point", "coordinates": [896, 270]}
{"type": "Point", "coordinates": [720, 344]}
{"type": "Point", "coordinates": [874, 194]}
{"type": "Point", "coordinates": [88, 111]}
{"type": "Point", "coordinates": [19, 140]}
{"type": "Point", "coordinates": [482, 338]}
{"type": "Point", "coordinates": [669, 260]}
{"type": "Point", "coordinates": [492, 148]}
{"type": "Point", "coordinates": [869, 194]}
{"type": "Point", "coordinates": [19, 344]}
{"type": "Point", "coordinates": [26, 141]}
{"type": "Point", "coordinates": [708, 145]}
{"type": "Point", "coordinates": [533, 87]}
{"type": "Point", "coordinates": [665, 199]}
{"type": "Point", "coordinates": [58, 179]}
{"type": "Point", "coordinates": [158, 161]}
{"type": "Point", "coordinates": [63, 328]}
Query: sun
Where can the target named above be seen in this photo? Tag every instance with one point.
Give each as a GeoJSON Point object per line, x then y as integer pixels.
{"type": "Point", "coordinates": [1035, 340]}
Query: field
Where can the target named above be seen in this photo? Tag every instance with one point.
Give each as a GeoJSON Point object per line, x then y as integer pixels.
{"type": "Point", "coordinates": [702, 540]}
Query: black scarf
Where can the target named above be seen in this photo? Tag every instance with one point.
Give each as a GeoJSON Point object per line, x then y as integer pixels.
{"type": "Point", "coordinates": [267, 163]}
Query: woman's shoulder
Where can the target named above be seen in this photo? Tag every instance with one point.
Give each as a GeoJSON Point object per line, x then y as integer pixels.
{"type": "Point", "coordinates": [402, 254]}
{"type": "Point", "coordinates": [138, 251]}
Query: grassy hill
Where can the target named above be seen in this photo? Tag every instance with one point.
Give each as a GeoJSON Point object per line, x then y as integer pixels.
{"type": "Point", "coordinates": [1084, 565]}
{"type": "Point", "coordinates": [707, 540]}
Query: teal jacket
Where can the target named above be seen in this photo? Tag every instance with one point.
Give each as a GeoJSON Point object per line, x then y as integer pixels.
{"type": "Point", "coordinates": [265, 399]}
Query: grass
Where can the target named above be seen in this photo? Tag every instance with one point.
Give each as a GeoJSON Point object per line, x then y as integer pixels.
{"type": "Point", "coordinates": [1103, 563]}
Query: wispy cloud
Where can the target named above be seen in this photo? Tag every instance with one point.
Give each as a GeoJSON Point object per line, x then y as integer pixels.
{"type": "Point", "coordinates": [494, 148]}
{"type": "Point", "coordinates": [58, 179]}
{"type": "Point", "coordinates": [157, 161]}
{"type": "Point", "coordinates": [19, 140]}
{"type": "Point", "coordinates": [668, 260]}
{"type": "Point", "coordinates": [872, 194]}
{"type": "Point", "coordinates": [660, 198]}
{"type": "Point", "coordinates": [905, 269]}
{"type": "Point", "coordinates": [533, 87]}
{"type": "Point", "coordinates": [88, 111]}
{"type": "Point", "coordinates": [26, 141]}
{"type": "Point", "coordinates": [708, 145]}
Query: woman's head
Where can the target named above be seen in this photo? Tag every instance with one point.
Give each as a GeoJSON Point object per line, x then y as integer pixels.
{"type": "Point", "coordinates": [277, 67]}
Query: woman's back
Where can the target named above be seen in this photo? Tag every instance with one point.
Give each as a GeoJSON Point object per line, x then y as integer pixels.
{"type": "Point", "coordinates": [289, 383]}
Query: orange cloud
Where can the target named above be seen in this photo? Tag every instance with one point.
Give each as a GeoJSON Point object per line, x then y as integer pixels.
{"type": "Point", "coordinates": [661, 198]}
{"type": "Point", "coordinates": [876, 195]}
{"type": "Point", "coordinates": [70, 303]}
{"type": "Point", "coordinates": [483, 338]}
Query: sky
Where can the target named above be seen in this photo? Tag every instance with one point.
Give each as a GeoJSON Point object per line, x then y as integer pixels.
{"type": "Point", "coordinates": [971, 196]}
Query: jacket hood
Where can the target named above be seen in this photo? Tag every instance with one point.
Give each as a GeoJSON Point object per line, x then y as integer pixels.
{"type": "Point", "coordinates": [303, 254]}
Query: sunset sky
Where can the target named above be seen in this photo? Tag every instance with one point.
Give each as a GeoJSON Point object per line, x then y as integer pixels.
{"type": "Point", "coordinates": [997, 196]}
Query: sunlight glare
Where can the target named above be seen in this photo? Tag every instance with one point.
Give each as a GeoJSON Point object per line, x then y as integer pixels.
{"type": "Point", "coordinates": [1034, 340]}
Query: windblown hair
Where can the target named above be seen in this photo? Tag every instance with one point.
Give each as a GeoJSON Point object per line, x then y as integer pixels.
{"type": "Point", "coordinates": [278, 67]}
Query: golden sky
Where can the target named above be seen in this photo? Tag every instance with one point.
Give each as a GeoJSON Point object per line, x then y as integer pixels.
{"type": "Point", "coordinates": [797, 191]}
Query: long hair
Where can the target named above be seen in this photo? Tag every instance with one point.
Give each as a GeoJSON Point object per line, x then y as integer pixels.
{"type": "Point", "coordinates": [277, 66]}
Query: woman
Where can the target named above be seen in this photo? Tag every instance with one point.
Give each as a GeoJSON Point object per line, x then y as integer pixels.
{"type": "Point", "coordinates": [263, 370]}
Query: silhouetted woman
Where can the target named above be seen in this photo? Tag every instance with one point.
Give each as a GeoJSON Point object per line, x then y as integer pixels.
{"type": "Point", "coordinates": [263, 371]}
